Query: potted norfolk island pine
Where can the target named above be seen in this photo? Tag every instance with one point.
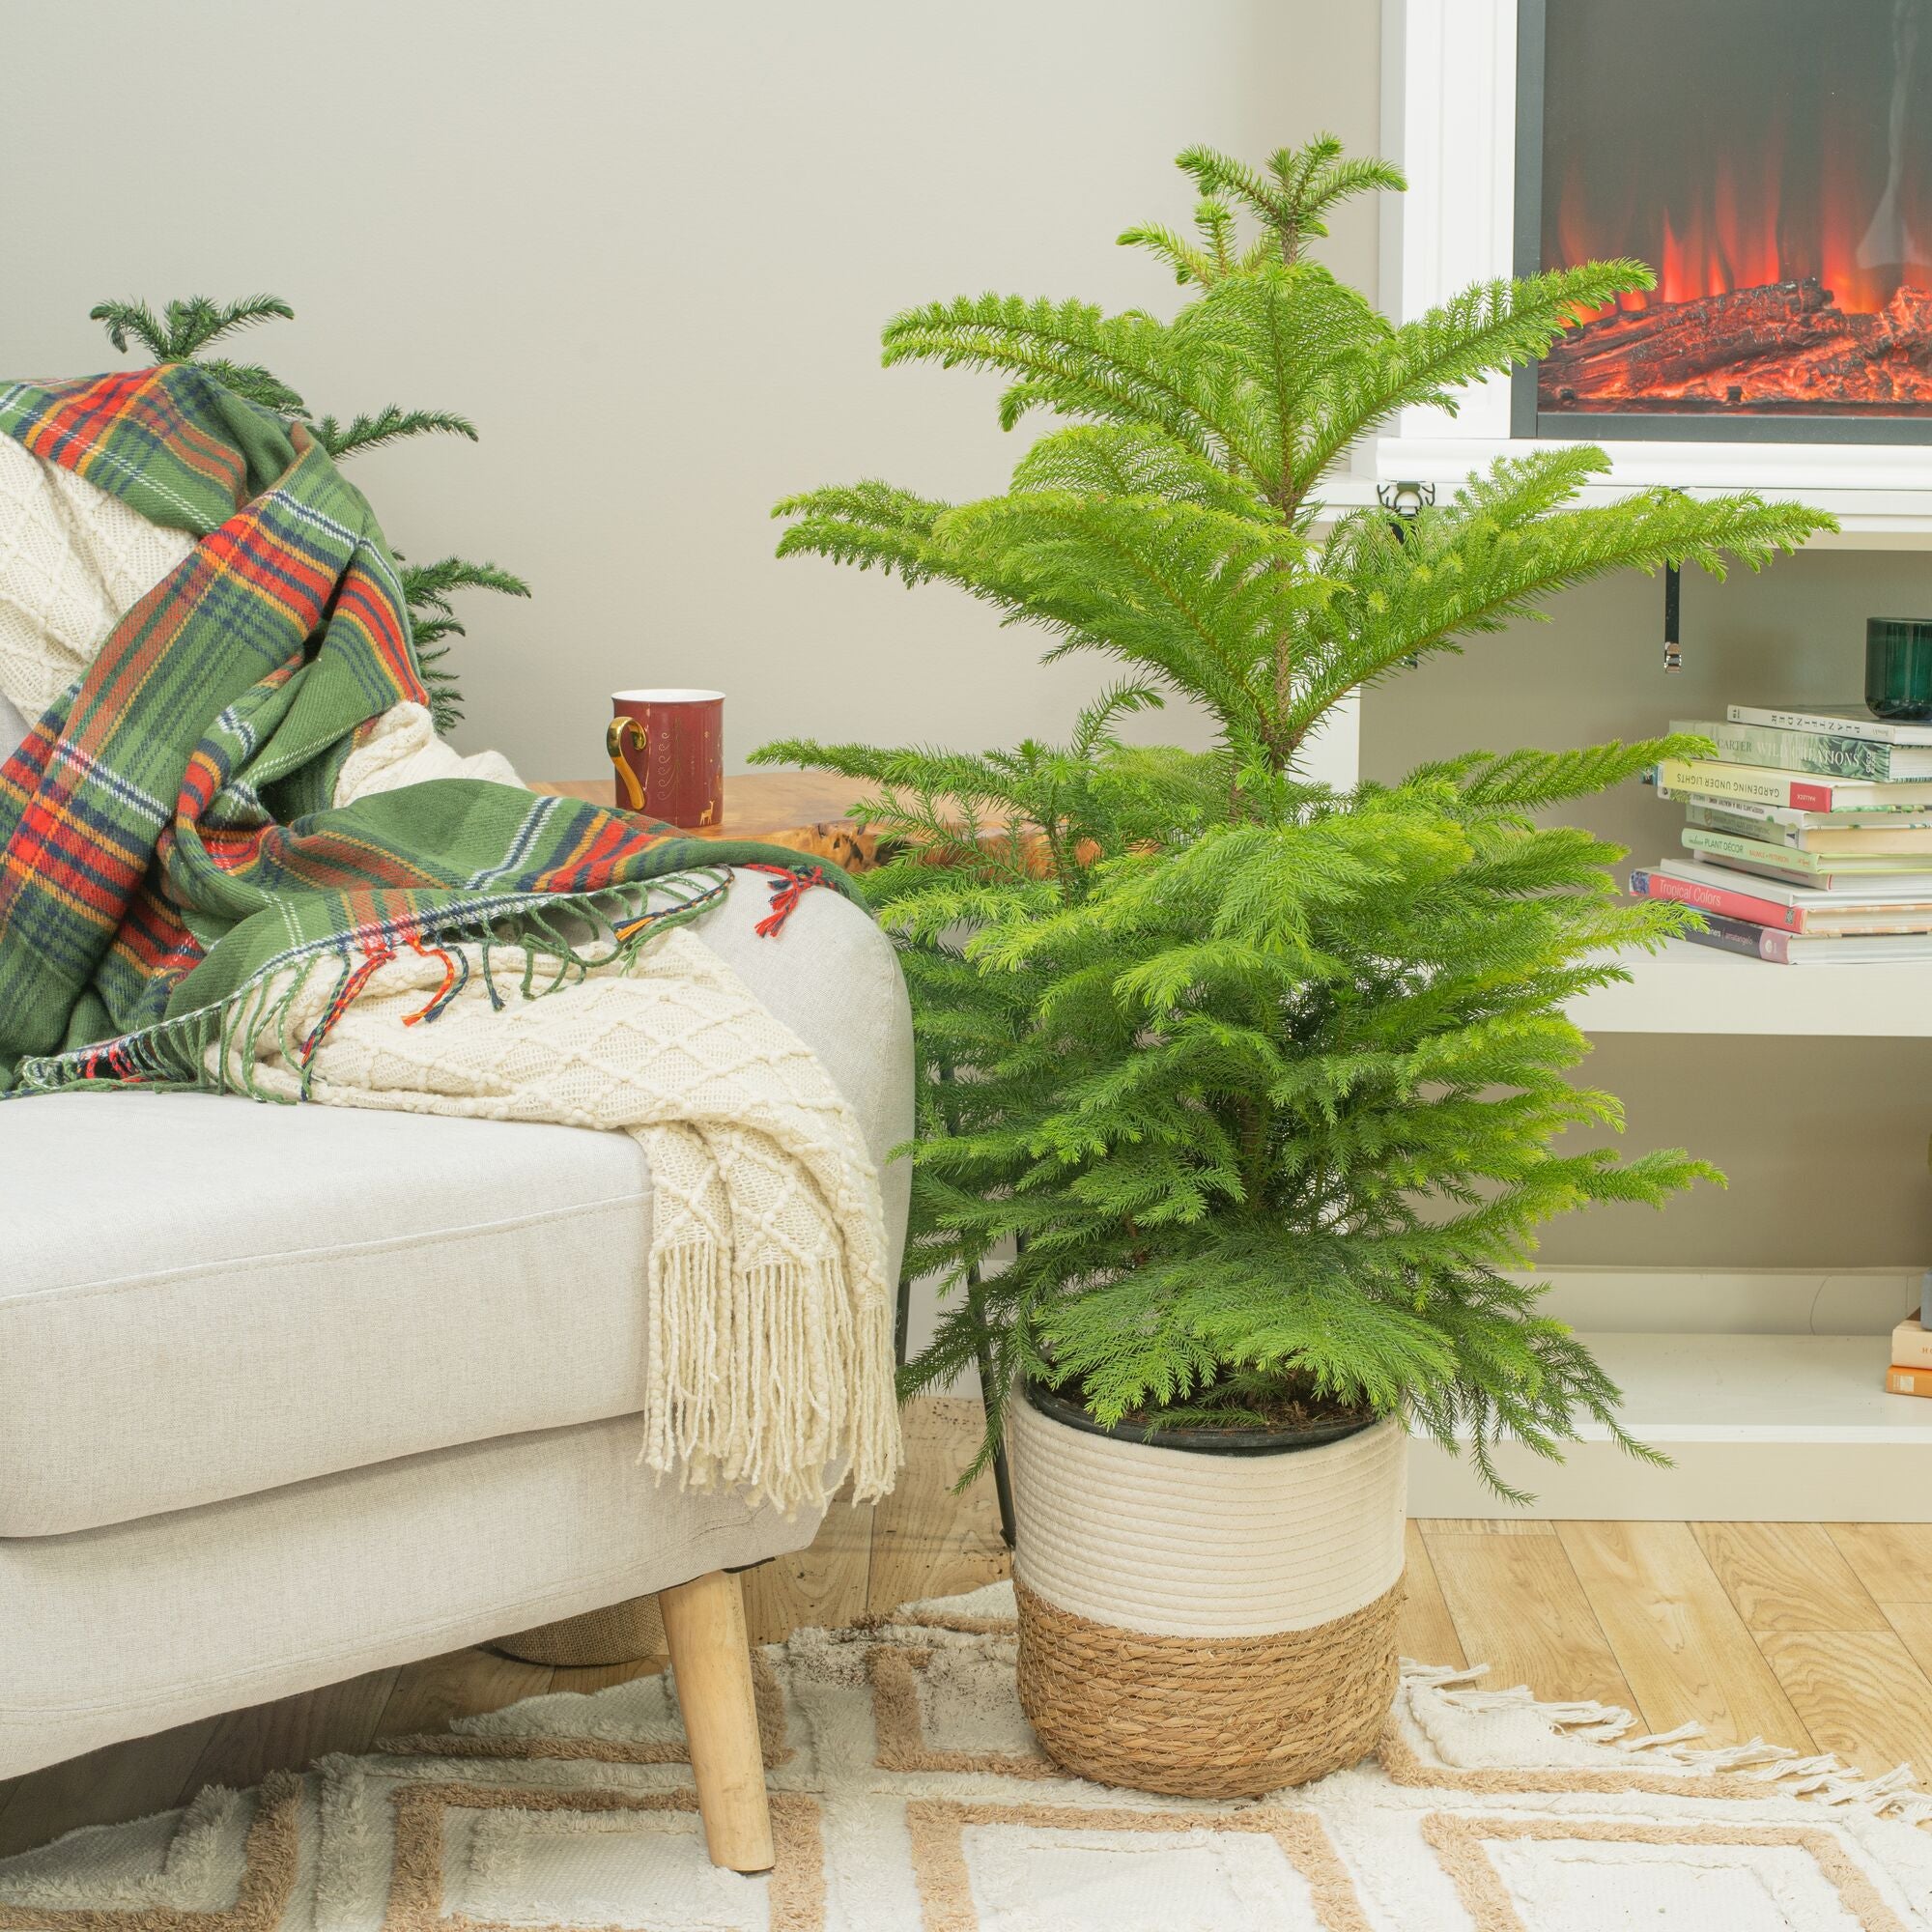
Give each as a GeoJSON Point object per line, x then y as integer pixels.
{"type": "Point", "coordinates": [1244, 1093]}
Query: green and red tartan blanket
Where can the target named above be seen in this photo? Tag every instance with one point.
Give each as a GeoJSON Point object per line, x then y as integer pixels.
{"type": "Point", "coordinates": [168, 840]}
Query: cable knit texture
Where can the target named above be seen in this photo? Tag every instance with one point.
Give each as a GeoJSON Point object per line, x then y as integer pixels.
{"type": "Point", "coordinates": [400, 749]}
{"type": "Point", "coordinates": [770, 1313]}
{"type": "Point", "coordinates": [73, 560]}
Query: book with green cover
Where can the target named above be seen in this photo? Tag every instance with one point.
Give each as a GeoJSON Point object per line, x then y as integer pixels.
{"type": "Point", "coordinates": [1826, 752]}
{"type": "Point", "coordinates": [1784, 861]}
{"type": "Point", "coordinates": [1865, 831]}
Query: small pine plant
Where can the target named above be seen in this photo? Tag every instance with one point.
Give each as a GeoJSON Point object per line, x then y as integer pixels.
{"type": "Point", "coordinates": [184, 331]}
{"type": "Point", "coordinates": [1240, 1094]}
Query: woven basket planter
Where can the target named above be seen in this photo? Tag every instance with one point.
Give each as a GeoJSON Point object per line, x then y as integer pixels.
{"type": "Point", "coordinates": [1202, 1623]}
{"type": "Point", "coordinates": [624, 1632]}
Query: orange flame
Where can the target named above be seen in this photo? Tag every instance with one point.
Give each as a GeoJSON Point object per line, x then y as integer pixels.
{"type": "Point", "coordinates": [1739, 229]}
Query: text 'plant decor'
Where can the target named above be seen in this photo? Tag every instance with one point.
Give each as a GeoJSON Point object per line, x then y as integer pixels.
{"type": "Point", "coordinates": [1243, 1091]}
{"type": "Point", "coordinates": [184, 332]}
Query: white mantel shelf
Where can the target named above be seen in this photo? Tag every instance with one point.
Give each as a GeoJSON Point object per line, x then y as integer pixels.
{"type": "Point", "coordinates": [1870, 519]}
{"type": "Point", "coordinates": [1692, 988]}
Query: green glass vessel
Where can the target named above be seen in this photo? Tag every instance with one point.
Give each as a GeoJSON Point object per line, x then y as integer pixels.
{"type": "Point", "coordinates": [1899, 667]}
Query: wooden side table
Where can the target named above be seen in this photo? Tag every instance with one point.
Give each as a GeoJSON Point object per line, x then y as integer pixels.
{"type": "Point", "coordinates": [803, 811]}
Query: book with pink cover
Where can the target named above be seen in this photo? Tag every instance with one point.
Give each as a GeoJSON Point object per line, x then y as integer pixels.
{"type": "Point", "coordinates": [1772, 902]}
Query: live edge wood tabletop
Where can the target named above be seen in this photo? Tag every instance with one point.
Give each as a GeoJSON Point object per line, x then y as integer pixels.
{"type": "Point", "coordinates": [803, 811]}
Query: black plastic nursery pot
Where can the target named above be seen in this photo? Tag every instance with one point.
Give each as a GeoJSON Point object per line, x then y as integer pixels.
{"type": "Point", "coordinates": [1217, 1623]}
{"type": "Point", "coordinates": [1202, 1441]}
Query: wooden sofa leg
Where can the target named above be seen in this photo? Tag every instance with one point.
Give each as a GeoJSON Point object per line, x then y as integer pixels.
{"type": "Point", "coordinates": [711, 1655]}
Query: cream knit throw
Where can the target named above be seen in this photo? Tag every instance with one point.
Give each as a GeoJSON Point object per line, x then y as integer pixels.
{"type": "Point", "coordinates": [769, 1312]}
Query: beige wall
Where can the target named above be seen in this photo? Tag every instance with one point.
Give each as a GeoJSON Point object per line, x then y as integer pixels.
{"type": "Point", "coordinates": [648, 248]}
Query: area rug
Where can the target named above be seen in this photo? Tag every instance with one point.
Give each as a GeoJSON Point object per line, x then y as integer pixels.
{"type": "Point", "coordinates": [908, 1796]}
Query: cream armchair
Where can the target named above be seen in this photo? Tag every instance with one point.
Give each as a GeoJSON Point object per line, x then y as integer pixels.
{"type": "Point", "coordinates": [253, 1443]}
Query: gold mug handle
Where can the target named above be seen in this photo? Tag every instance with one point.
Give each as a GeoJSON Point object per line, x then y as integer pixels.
{"type": "Point", "coordinates": [614, 736]}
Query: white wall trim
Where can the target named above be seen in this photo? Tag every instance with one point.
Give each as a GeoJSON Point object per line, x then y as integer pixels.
{"type": "Point", "coordinates": [1729, 1301]}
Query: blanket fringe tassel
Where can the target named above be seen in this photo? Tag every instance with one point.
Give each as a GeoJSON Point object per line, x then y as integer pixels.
{"type": "Point", "coordinates": [765, 1378]}
{"type": "Point", "coordinates": [574, 933]}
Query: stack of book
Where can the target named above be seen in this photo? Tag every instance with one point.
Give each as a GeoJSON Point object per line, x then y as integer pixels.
{"type": "Point", "coordinates": [1910, 1371]}
{"type": "Point", "coordinates": [1807, 840]}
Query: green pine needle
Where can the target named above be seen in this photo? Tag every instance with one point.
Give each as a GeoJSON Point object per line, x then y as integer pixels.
{"type": "Point", "coordinates": [1236, 1089]}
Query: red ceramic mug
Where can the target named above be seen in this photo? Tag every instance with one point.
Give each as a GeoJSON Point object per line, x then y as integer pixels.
{"type": "Point", "coordinates": [666, 750]}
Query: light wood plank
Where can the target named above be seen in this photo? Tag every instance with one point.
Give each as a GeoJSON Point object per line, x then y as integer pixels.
{"type": "Point", "coordinates": [1894, 1560]}
{"type": "Point", "coordinates": [1787, 1575]}
{"type": "Point", "coordinates": [1517, 1606]}
{"type": "Point", "coordinates": [431, 1696]}
{"type": "Point", "coordinates": [1487, 1526]}
{"type": "Point", "coordinates": [246, 1746]}
{"type": "Point", "coordinates": [1679, 1640]}
{"type": "Point", "coordinates": [1425, 1630]}
{"type": "Point", "coordinates": [824, 1584]}
{"type": "Point", "coordinates": [926, 1542]}
{"type": "Point", "coordinates": [105, 1787]}
{"type": "Point", "coordinates": [1914, 1624]}
{"type": "Point", "coordinates": [1860, 1694]}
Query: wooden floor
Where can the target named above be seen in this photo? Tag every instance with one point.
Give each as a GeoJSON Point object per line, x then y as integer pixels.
{"type": "Point", "coordinates": [1811, 1634]}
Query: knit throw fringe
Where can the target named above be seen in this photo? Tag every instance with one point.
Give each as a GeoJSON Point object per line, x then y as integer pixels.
{"type": "Point", "coordinates": [769, 1314]}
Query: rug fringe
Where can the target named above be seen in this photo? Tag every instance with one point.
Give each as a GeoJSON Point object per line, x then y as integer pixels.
{"type": "Point", "coordinates": [1823, 1778]}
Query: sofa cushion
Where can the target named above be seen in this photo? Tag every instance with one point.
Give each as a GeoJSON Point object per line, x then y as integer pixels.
{"type": "Point", "coordinates": [201, 1297]}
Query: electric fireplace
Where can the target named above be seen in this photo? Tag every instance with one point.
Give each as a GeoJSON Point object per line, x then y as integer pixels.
{"type": "Point", "coordinates": [1772, 162]}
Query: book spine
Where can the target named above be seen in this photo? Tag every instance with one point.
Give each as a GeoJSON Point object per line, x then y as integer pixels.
{"type": "Point", "coordinates": [1824, 723]}
{"type": "Point", "coordinates": [1910, 1346]}
{"type": "Point", "coordinates": [1796, 750]}
{"type": "Point", "coordinates": [1709, 899]}
{"type": "Point", "coordinates": [1755, 852]}
{"type": "Point", "coordinates": [1804, 720]}
{"type": "Point", "coordinates": [1762, 823]}
{"type": "Point", "coordinates": [1708, 779]}
{"type": "Point", "coordinates": [1740, 935]}
{"type": "Point", "coordinates": [1908, 1381]}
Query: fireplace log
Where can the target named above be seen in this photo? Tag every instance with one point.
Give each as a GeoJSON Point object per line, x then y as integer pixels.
{"type": "Point", "coordinates": [1786, 344]}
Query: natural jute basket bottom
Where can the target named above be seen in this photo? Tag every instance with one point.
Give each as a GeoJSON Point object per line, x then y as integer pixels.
{"type": "Point", "coordinates": [623, 1633]}
{"type": "Point", "coordinates": [1206, 1716]}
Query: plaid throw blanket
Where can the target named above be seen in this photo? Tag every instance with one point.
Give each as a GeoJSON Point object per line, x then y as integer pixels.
{"type": "Point", "coordinates": [169, 848]}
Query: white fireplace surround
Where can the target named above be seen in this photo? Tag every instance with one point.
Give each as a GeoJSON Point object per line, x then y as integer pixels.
{"type": "Point", "coordinates": [1449, 119]}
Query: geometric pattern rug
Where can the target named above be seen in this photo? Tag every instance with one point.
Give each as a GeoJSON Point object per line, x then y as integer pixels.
{"type": "Point", "coordinates": [908, 1796]}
